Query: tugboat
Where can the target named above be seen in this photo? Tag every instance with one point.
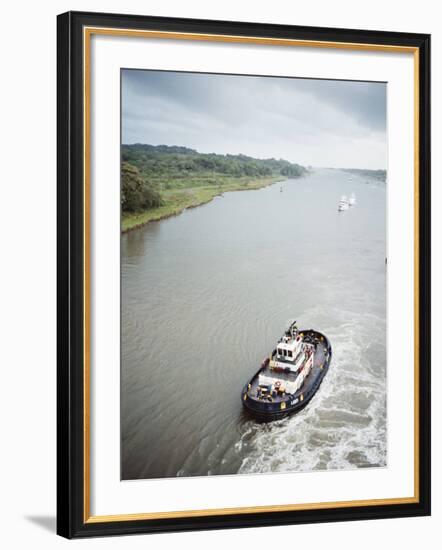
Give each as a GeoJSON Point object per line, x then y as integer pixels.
{"type": "Point", "coordinates": [290, 377]}
{"type": "Point", "coordinates": [343, 204]}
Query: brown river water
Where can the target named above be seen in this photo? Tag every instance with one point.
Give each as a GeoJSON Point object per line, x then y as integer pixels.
{"type": "Point", "coordinates": [205, 297]}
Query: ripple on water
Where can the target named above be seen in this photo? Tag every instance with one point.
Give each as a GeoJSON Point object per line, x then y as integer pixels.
{"type": "Point", "coordinates": [205, 296]}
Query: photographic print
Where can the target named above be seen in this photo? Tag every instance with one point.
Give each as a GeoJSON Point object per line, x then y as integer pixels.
{"type": "Point", "coordinates": [243, 274]}
{"type": "Point", "coordinates": [253, 274]}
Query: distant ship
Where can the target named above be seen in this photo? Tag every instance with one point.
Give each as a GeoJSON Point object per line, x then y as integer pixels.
{"type": "Point", "coordinates": [343, 204]}
{"type": "Point", "coordinates": [352, 200]}
{"type": "Point", "coordinates": [290, 377]}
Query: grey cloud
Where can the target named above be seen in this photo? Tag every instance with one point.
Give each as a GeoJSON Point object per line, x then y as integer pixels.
{"type": "Point", "coordinates": [319, 122]}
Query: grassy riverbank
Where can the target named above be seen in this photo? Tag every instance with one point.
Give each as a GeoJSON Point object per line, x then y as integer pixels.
{"type": "Point", "coordinates": [159, 181]}
{"type": "Point", "coordinates": [177, 200]}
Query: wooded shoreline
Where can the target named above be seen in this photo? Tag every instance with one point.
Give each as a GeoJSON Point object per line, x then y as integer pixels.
{"type": "Point", "coordinates": [178, 200]}
{"type": "Point", "coordinates": [159, 181]}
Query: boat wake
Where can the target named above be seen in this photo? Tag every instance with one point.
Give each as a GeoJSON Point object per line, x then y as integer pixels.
{"type": "Point", "coordinates": [344, 426]}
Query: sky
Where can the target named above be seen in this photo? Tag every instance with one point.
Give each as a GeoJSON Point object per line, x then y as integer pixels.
{"type": "Point", "coordinates": [320, 123]}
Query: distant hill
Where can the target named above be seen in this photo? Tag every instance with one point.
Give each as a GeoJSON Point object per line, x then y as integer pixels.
{"type": "Point", "coordinates": [165, 162]}
{"type": "Point", "coordinates": [380, 175]}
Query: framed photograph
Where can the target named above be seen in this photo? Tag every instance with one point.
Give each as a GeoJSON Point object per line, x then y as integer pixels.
{"type": "Point", "coordinates": [243, 274]}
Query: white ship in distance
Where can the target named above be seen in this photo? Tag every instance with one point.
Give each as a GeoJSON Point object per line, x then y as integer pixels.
{"type": "Point", "coordinates": [343, 204]}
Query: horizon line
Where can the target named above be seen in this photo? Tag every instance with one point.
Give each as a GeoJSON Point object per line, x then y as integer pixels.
{"type": "Point", "coordinates": [257, 158]}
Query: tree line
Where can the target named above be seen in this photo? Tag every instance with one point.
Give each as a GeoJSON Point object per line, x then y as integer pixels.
{"type": "Point", "coordinates": [376, 174]}
{"type": "Point", "coordinates": [147, 169]}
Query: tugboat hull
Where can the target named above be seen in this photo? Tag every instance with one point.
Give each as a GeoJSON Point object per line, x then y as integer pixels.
{"type": "Point", "coordinates": [287, 404]}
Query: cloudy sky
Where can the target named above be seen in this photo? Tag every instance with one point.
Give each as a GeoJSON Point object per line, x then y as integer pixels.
{"type": "Point", "coordinates": [312, 122]}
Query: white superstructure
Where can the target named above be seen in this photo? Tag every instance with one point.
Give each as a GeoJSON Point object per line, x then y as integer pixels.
{"type": "Point", "coordinates": [293, 357]}
{"type": "Point", "coordinates": [343, 203]}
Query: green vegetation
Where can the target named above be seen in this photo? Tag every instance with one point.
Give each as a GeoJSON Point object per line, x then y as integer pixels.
{"type": "Point", "coordinates": [161, 181]}
{"type": "Point", "coordinates": [136, 193]}
{"type": "Point", "coordinates": [380, 175]}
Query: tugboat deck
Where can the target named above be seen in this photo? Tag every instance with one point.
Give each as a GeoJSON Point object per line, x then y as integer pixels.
{"type": "Point", "coordinates": [318, 361]}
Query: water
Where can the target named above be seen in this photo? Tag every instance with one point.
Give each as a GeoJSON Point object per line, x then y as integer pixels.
{"type": "Point", "coordinates": [206, 295]}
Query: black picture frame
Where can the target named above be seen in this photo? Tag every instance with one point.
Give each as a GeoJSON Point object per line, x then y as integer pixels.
{"type": "Point", "coordinates": [72, 517]}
